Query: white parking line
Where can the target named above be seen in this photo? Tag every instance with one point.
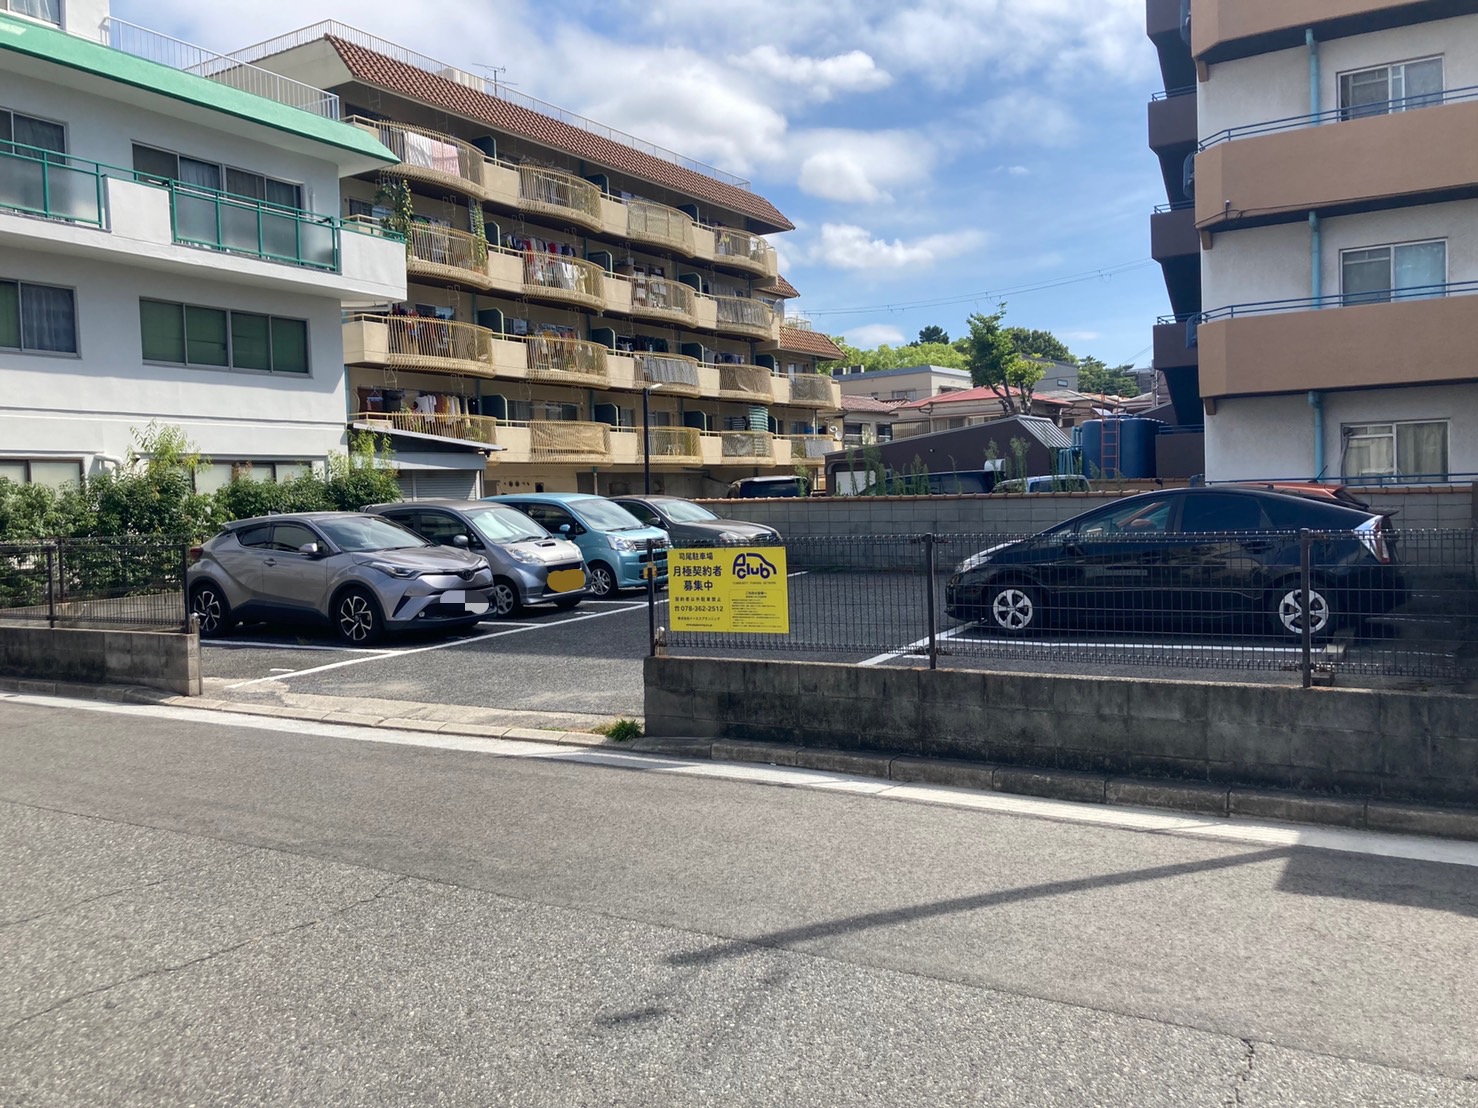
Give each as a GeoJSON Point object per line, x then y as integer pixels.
{"type": "Point", "coordinates": [879, 659]}
{"type": "Point", "coordinates": [290, 646]}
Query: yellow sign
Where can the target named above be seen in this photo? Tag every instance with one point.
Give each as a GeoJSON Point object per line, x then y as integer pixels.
{"type": "Point", "coordinates": [729, 589]}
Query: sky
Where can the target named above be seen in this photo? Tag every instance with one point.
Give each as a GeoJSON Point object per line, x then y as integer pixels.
{"type": "Point", "coordinates": [937, 158]}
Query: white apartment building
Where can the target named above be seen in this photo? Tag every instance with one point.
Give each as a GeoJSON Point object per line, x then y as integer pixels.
{"type": "Point", "coordinates": [1336, 201]}
{"type": "Point", "coordinates": [170, 251]}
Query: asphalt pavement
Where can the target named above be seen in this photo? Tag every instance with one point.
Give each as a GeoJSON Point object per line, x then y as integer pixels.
{"type": "Point", "coordinates": [202, 909]}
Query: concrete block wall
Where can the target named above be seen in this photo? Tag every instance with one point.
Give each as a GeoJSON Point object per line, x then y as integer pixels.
{"type": "Point", "coordinates": [156, 659]}
{"type": "Point", "coordinates": [1410, 746]}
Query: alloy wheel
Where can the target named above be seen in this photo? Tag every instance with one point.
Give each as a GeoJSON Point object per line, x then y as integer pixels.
{"type": "Point", "coordinates": [503, 598]}
{"type": "Point", "coordinates": [208, 609]}
{"type": "Point", "coordinates": [1290, 612]}
{"type": "Point", "coordinates": [1013, 609]}
{"type": "Point", "coordinates": [602, 583]}
{"type": "Point", "coordinates": [356, 618]}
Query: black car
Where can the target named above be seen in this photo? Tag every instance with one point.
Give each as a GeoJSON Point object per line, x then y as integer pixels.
{"type": "Point", "coordinates": [1202, 552]}
{"type": "Point", "coordinates": [692, 524]}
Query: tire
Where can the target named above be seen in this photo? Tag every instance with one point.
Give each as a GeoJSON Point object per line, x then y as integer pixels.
{"type": "Point", "coordinates": [356, 618]}
{"type": "Point", "coordinates": [1013, 609]}
{"type": "Point", "coordinates": [602, 581]}
{"type": "Point", "coordinates": [568, 602]}
{"type": "Point", "coordinates": [503, 599]}
{"type": "Point", "coordinates": [1287, 611]}
{"type": "Point", "coordinates": [208, 603]}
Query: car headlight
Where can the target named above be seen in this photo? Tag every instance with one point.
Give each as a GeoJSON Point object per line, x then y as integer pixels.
{"type": "Point", "coordinates": [630, 546]}
{"type": "Point", "coordinates": [979, 559]}
{"type": "Point", "coordinates": [403, 573]}
{"type": "Point", "coordinates": [527, 557]}
{"type": "Point", "coordinates": [731, 536]}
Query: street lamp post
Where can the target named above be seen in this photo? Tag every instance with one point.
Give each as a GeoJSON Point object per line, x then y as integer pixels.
{"type": "Point", "coordinates": [646, 439]}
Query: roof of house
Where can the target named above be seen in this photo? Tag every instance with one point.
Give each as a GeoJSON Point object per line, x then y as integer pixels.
{"type": "Point", "coordinates": [868, 404]}
{"type": "Point", "coordinates": [779, 286]}
{"type": "Point", "coordinates": [975, 395]}
{"type": "Point", "coordinates": [407, 80]}
{"type": "Point", "coordinates": [83, 56]}
{"type": "Point", "coordinates": [797, 340]}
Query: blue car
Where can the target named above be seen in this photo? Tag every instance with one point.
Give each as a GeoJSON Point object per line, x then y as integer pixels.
{"type": "Point", "coordinates": [611, 539]}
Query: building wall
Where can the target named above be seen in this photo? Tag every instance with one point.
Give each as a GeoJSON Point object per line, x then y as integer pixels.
{"type": "Point", "coordinates": [1276, 86]}
{"type": "Point", "coordinates": [924, 381]}
{"type": "Point", "coordinates": [84, 17]}
{"type": "Point", "coordinates": [86, 406]}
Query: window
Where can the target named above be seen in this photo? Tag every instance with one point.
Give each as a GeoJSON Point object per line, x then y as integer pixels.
{"type": "Point", "coordinates": [25, 130]}
{"type": "Point", "coordinates": [257, 536]}
{"type": "Point", "coordinates": [1407, 450]}
{"type": "Point", "coordinates": [885, 432]}
{"type": "Point", "coordinates": [163, 165]}
{"type": "Point", "coordinates": [37, 318]}
{"type": "Point", "coordinates": [290, 537]}
{"type": "Point", "coordinates": [49, 10]}
{"type": "Point", "coordinates": [1150, 517]}
{"type": "Point", "coordinates": [1406, 272]}
{"type": "Point", "coordinates": [189, 335]}
{"type": "Point", "coordinates": [1390, 88]}
{"type": "Point", "coordinates": [216, 475]}
{"type": "Point", "coordinates": [1224, 511]}
{"type": "Point", "coordinates": [32, 471]}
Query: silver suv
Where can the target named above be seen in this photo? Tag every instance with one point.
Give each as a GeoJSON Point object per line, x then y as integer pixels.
{"type": "Point", "coordinates": [362, 574]}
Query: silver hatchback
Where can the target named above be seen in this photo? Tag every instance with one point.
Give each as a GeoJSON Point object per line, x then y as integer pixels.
{"type": "Point", "coordinates": [360, 573]}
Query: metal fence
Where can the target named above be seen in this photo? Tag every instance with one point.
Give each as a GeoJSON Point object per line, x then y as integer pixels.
{"type": "Point", "coordinates": [122, 583]}
{"type": "Point", "coordinates": [1392, 604]}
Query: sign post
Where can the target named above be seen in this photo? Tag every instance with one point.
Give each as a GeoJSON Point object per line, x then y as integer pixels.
{"type": "Point", "coordinates": [742, 590]}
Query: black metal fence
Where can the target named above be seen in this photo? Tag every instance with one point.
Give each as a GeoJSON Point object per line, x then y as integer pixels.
{"type": "Point", "coordinates": [123, 583]}
{"type": "Point", "coordinates": [1400, 604]}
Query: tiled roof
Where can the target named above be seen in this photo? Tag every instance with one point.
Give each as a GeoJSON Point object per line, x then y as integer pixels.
{"type": "Point", "coordinates": [797, 340]}
{"type": "Point", "coordinates": [984, 392]}
{"type": "Point", "coordinates": [780, 287]}
{"type": "Point", "coordinates": [417, 84]}
{"type": "Point", "coordinates": [868, 404]}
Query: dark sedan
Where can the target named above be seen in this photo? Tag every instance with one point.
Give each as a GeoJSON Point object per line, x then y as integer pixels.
{"type": "Point", "coordinates": [692, 524]}
{"type": "Point", "coordinates": [1203, 552]}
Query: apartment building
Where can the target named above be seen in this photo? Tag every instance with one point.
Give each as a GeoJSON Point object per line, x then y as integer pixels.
{"type": "Point", "coordinates": [1335, 190]}
{"type": "Point", "coordinates": [567, 287]}
{"type": "Point", "coordinates": [905, 384]}
{"type": "Point", "coordinates": [170, 251]}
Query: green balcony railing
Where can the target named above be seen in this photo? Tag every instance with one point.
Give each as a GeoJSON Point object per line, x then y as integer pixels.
{"type": "Point", "coordinates": [242, 225]}
{"type": "Point", "coordinates": [55, 186]}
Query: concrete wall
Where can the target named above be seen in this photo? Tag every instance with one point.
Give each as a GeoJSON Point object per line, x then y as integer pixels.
{"type": "Point", "coordinates": [159, 660]}
{"type": "Point", "coordinates": [1420, 746]}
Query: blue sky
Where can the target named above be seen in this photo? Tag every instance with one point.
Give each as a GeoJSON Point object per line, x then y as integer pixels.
{"type": "Point", "coordinates": [936, 157]}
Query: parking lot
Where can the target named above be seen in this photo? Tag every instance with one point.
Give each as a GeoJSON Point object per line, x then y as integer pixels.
{"type": "Point", "coordinates": [588, 661]}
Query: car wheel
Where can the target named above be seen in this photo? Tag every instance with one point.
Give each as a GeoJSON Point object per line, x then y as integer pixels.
{"type": "Point", "coordinates": [208, 605]}
{"type": "Point", "coordinates": [357, 619]}
{"type": "Point", "coordinates": [1013, 609]}
{"type": "Point", "coordinates": [503, 598]}
{"type": "Point", "coordinates": [1288, 611]}
{"type": "Point", "coordinates": [602, 582]}
{"type": "Point", "coordinates": [568, 602]}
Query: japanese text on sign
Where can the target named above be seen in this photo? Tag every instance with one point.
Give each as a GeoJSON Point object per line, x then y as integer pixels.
{"type": "Point", "coordinates": [729, 589]}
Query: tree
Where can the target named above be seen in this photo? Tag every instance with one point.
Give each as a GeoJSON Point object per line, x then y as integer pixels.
{"type": "Point", "coordinates": [897, 357]}
{"type": "Point", "coordinates": [1096, 377]}
{"type": "Point", "coordinates": [932, 334]}
{"type": "Point", "coordinates": [1040, 344]}
{"type": "Point", "coordinates": [995, 362]}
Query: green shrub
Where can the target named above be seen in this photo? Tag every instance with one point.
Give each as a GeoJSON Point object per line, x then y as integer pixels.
{"type": "Point", "coordinates": [621, 731]}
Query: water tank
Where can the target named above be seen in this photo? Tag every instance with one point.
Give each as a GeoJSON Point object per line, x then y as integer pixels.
{"type": "Point", "coordinates": [1131, 449]}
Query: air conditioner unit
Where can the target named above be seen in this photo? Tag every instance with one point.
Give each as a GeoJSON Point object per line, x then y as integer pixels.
{"type": "Point", "coordinates": [1185, 21]}
{"type": "Point", "coordinates": [462, 77]}
{"type": "Point", "coordinates": [1188, 177]}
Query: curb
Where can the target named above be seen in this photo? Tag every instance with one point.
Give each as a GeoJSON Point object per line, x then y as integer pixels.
{"type": "Point", "coordinates": [1391, 817]}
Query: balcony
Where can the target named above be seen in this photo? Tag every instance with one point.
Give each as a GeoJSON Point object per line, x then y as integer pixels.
{"type": "Point", "coordinates": [659, 225]}
{"type": "Point", "coordinates": [747, 447]}
{"type": "Point", "coordinates": [1173, 233]}
{"type": "Point", "coordinates": [1280, 170]}
{"type": "Point", "coordinates": [1221, 30]}
{"type": "Point", "coordinates": [569, 442]}
{"type": "Point", "coordinates": [50, 185]}
{"type": "Point", "coordinates": [416, 343]}
{"type": "Point", "coordinates": [736, 249]}
{"type": "Point", "coordinates": [554, 193]}
{"type": "Point", "coordinates": [811, 450]}
{"type": "Point", "coordinates": [1172, 350]}
{"type": "Point", "coordinates": [682, 446]}
{"type": "Point", "coordinates": [468, 428]}
{"type": "Point", "coordinates": [676, 373]}
{"type": "Point", "coordinates": [570, 280]}
{"type": "Point", "coordinates": [440, 255]}
{"type": "Point", "coordinates": [568, 362]}
{"type": "Point", "coordinates": [1172, 121]}
{"type": "Point", "coordinates": [743, 316]}
{"type": "Point", "coordinates": [1426, 336]}
{"type": "Point", "coordinates": [750, 384]}
{"type": "Point", "coordinates": [661, 298]}
{"type": "Point", "coordinates": [815, 390]}
{"type": "Point", "coordinates": [430, 157]}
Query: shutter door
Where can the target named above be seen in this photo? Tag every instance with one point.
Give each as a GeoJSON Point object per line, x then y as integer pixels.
{"type": "Point", "coordinates": [456, 484]}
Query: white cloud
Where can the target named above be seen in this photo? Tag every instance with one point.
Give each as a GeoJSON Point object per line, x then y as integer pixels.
{"type": "Point", "coordinates": [1018, 171]}
{"type": "Point", "coordinates": [1022, 118]}
{"type": "Point", "coordinates": [860, 167]}
{"type": "Point", "coordinates": [871, 335]}
{"type": "Point", "coordinates": [821, 78]}
{"type": "Point", "coordinates": [846, 246]}
{"type": "Point", "coordinates": [1080, 336]}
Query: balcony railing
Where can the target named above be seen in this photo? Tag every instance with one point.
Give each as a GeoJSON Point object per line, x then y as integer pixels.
{"type": "Point", "coordinates": [152, 46]}
{"type": "Point", "coordinates": [471, 428]}
{"type": "Point", "coordinates": [810, 448]}
{"type": "Point", "coordinates": [812, 389]}
{"type": "Point", "coordinates": [243, 225]}
{"type": "Point", "coordinates": [1340, 115]}
{"type": "Point", "coordinates": [738, 313]}
{"type": "Point", "coordinates": [561, 278]}
{"type": "Point", "coordinates": [676, 373]}
{"type": "Point", "coordinates": [415, 342]}
{"type": "Point", "coordinates": [757, 445]}
{"type": "Point", "coordinates": [556, 193]}
{"type": "Point", "coordinates": [681, 444]}
{"type": "Point", "coordinates": [55, 186]}
{"type": "Point", "coordinates": [455, 256]}
{"type": "Point", "coordinates": [430, 156]}
{"type": "Point", "coordinates": [657, 223]}
{"type": "Point", "coordinates": [745, 382]}
{"type": "Point", "coordinates": [557, 440]}
{"type": "Point", "coordinates": [662, 298]}
{"type": "Point", "coordinates": [1172, 93]}
{"type": "Point", "coordinates": [742, 249]}
{"type": "Point", "coordinates": [567, 361]}
{"type": "Point", "coordinates": [1338, 300]}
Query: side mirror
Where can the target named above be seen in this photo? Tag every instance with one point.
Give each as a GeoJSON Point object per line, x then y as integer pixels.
{"type": "Point", "coordinates": [310, 549]}
{"type": "Point", "coordinates": [461, 542]}
{"type": "Point", "coordinates": [564, 529]}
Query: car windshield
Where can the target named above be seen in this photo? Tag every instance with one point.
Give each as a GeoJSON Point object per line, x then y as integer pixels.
{"type": "Point", "coordinates": [685, 511]}
{"type": "Point", "coordinates": [505, 525]}
{"type": "Point", "coordinates": [602, 515]}
{"type": "Point", "coordinates": [359, 534]}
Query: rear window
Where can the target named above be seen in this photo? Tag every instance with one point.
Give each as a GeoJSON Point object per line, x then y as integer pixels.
{"type": "Point", "coordinates": [1221, 511]}
{"type": "Point", "coordinates": [1293, 513]}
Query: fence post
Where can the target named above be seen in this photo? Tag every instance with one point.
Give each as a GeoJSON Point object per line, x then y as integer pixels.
{"type": "Point", "coordinates": [1305, 585]}
{"type": "Point", "coordinates": [650, 572]}
{"type": "Point", "coordinates": [51, 587]}
{"type": "Point", "coordinates": [184, 591]}
{"type": "Point", "coordinates": [61, 572]}
{"type": "Point", "coordinates": [929, 568]}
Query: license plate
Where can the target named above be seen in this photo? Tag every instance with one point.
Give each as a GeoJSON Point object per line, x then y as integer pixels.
{"type": "Point", "coordinates": [566, 580]}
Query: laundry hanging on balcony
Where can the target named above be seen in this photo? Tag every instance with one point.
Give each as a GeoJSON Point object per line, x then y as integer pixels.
{"type": "Point", "coordinates": [425, 152]}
